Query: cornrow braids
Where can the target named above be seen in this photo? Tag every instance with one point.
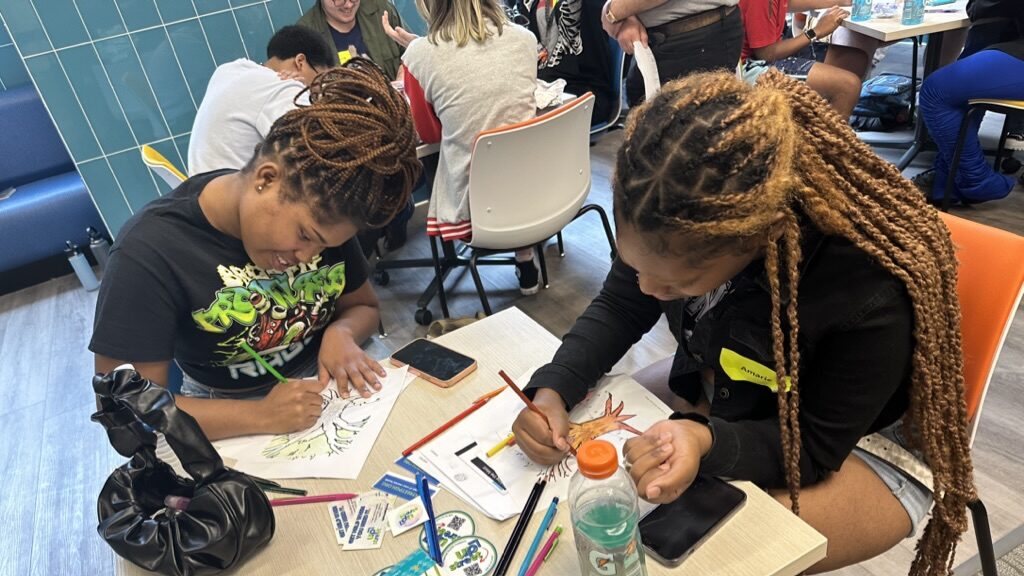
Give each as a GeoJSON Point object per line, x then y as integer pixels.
{"type": "Point", "coordinates": [352, 150]}
{"type": "Point", "coordinates": [713, 159]}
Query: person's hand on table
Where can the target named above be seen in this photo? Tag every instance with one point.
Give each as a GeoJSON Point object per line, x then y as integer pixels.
{"type": "Point", "coordinates": [664, 460]}
{"type": "Point", "coordinates": [830, 20]}
{"type": "Point", "coordinates": [341, 358]}
{"type": "Point", "coordinates": [631, 30]}
{"type": "Point", "coordinates": [399, 35]}
{"type": "Point", "coordinates": [543, 443]}
{"type": "Point", "coordinates": [291, 406]}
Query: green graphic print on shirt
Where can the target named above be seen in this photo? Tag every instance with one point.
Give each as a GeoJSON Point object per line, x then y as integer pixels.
{"type": "Point", "coordinates": [277, 310]}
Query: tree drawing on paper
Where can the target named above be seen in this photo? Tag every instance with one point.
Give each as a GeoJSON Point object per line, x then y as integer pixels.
{"type": "Point", "coordinates": [580, 432]}
{"type": "Point", "coordinates": [333, 433]}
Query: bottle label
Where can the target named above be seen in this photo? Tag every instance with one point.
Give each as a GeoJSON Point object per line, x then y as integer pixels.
{"type": "Point", "coordinates": [624, 563]}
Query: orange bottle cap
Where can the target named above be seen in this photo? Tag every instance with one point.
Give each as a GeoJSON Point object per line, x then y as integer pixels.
{"type": "Point", "coordinates": [597, 459]}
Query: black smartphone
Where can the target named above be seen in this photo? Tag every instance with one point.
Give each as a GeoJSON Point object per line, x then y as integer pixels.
{"type": "Point", "coordinates": [433, 362]}
{"type": "Point", "coordinates": [674, 530]}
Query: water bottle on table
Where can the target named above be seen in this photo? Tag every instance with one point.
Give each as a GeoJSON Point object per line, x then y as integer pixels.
{"type": "Point", "coordinates": [913, 12]}
{"type": "Point", "coordinates": [861, 10]}
{"type": "Point", "coordinates": [605, 514]}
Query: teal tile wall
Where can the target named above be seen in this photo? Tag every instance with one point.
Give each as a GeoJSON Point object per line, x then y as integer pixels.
{"type": "Point", "coordinates": [117, 74]}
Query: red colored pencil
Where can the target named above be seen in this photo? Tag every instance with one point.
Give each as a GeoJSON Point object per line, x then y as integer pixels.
{"type": "Point", "coordinates": [476, 405]}
{"type": "Point", "coordinates": [311, 499]}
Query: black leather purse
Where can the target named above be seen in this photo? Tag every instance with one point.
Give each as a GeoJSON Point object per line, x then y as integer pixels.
{"type": "Point", "coordinates": [209, 523]}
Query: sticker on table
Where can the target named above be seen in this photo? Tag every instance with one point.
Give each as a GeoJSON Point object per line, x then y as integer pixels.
{"type": "Point", "coordinates": [407, 516]}
{"type": "Point", "coordinates": [470, 556]}
{"type": "Point", "coordinates": [383, 571]}
{"type": "Point", "coordinates": [450, 527]}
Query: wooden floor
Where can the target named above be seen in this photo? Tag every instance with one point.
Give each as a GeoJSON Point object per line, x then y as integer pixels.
{"type": "Point", "coordinates": [54, 460]}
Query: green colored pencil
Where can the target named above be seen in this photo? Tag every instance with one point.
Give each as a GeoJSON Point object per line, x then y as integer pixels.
{"type": "Point", "coordinates": [262, 361]}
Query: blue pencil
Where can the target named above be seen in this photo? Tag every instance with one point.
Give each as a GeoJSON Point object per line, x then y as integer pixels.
{"type": "Point", "coordinates": [544, 525]}
{"type": "Point", "coordinates": [434, 548]}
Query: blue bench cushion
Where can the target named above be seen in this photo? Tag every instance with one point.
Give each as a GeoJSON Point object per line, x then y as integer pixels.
{"type": "Point", "coordinates": [40, 216]}
{"type": "Point", "coordinates": [30, 148]}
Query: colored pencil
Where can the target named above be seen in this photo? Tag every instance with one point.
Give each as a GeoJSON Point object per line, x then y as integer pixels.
{"type": "Point", "coordinates": [312, 499]}
{"type": "Point", "coordinates": [490, 395]}
{"type": "Point", "coordinates": [262, 361]}
{"type": "Point", "coordinates": [544, 525]}
{"type": "Point", "coordinates": [443, 427]}
{"type": "Point", "coordinates": [549, 547]}
{"type": "Point", "coordinates": [529, 403]}
{"type": "Point", "coordinates": [517, 532]}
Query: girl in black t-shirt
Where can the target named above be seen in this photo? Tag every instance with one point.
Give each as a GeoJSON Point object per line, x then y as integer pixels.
{"type": "Point", "coordinates": [266, 257]}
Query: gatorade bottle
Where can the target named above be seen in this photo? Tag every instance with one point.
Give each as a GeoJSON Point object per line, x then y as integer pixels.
{"type": "Point", "coordinates": [604, 514]}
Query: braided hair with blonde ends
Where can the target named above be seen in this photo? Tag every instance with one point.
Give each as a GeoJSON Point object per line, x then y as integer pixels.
{"type": "Point", "coordinates": [715, 160]}
{"type": "Point", "coordinates": [351, 151]}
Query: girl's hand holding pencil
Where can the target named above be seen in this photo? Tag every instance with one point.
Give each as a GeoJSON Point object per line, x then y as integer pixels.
{"type": "Point", "coordinates": [292, 406]}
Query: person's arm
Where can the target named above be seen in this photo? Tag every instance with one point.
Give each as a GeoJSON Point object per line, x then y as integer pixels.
{"type": "Point", "coordinates": [789, 46]}
{"type": "Point", "coordinates": [356, 315]}
{"type": "Point", "coordinates": [853, 374]}
{"type": "Point", "coordinates": [229, 418]}
{"type": "Point", "coordinates": [621, 9]}
{"type": "Point", "coordinates": [616, 319]}
{"type": "Point", "coordinates": [805, 5]}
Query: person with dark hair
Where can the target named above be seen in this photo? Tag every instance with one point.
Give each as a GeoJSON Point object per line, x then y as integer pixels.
{"type": "Point", "coordinates": [353, 28]}
{"type": "Point", "coordinates": [265, 258]}
{"type": "Point", "coordinates": [572, 46]}
{"type": "Point", "coordinates": [813, 293]}
{"type": "Point", "coordinates": [243, 98]}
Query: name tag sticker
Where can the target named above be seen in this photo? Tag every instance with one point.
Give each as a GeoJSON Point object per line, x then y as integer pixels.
{"type": "Point", "coordinates": [743, 369]}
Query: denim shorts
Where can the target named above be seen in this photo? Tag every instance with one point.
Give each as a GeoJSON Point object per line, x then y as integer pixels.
{"type": "Point", "coordinates": [194, 389]}
{"type": "Point", "coordinates": [912, 494]}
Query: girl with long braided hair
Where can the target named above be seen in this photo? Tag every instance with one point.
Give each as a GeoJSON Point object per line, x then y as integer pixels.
{"type": "Point", "coordinates": [264, 259]}
{"type": "Point", "coordinates": [813, 294]}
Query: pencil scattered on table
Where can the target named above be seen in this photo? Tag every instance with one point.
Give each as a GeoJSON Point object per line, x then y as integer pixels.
{"type": "Point", "coordinates": [546, 551]}
{"type": "Point", "coordinates": [517, 532]}
{"type": "Point", "coordinates": [312, 499]}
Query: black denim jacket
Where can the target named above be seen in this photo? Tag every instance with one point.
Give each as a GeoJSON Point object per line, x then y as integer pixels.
{"type": "Point", "coordinates": [856, 324]}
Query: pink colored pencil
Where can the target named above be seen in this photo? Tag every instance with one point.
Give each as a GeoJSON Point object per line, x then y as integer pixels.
{"type": "Point", "coordinates": [543, 555]}
{"type": "Point", "coordinates": [311, 499]}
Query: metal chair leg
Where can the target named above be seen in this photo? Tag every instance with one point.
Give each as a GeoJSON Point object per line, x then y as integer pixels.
{"type": "Point", "coordinates": [479, 283]}
{"type": "Point", "coordinates": [381, 332]}
{"type": "Point", "coordinates": [561, 245]}
{"type": "Point", "coordinates": [1002, 144]}
{"type": "Point", "coordinates": [439, 275]}
{"type": "Point", "coordinates": [986, 552]}
{"type": "Point", "coordinates": [543, 265]}
{"type": "Point", "coordinates": [954, 164]}
{"type": "Point", "coordinates": [604, 222]}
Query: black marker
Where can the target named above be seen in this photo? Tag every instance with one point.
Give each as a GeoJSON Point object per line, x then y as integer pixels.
{"type": "Point", "coordinates": [486, 470]}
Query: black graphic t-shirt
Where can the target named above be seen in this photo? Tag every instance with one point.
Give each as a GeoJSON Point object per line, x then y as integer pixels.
{"type": "Point", "coordinates": [176, 287]}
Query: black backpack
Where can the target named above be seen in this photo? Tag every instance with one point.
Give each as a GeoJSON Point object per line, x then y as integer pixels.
{"type": "Point", "coordinates": [884, 104]}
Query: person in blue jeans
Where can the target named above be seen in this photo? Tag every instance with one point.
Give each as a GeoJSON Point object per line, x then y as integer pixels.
{"type": "Point", "coordinates": [997, 72]}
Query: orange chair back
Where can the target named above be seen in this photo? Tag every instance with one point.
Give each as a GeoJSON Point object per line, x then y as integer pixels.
{"type": "Point", "coordinates": [990, 281]}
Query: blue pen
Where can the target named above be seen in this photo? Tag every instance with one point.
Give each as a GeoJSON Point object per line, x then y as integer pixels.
{"type": "Point", "coordinates": [431, 529]}
{"type": "Point", "coordinates": [544, 525]}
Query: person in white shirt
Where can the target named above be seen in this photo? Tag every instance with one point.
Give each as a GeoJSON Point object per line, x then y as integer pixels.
{"type": "Point", "coordinates": [244, 98]}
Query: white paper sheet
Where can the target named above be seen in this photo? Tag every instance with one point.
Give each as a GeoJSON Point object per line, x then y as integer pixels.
{"type": "Point", "coordinates": [615, 411]}
{"type": "Point", "coordinates": [335, 447]}
{"type": "Point", "coordinates": [648, 69]}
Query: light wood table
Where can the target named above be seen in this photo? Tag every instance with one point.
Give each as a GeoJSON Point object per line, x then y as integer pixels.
{"type": "Point", "coordinates": [952, 17]}
{"type": "Point", "coordinates": [763, 538]}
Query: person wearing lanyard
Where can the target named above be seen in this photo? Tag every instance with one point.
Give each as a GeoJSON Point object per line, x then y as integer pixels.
{"type": "Point", "coordinates": [813, 295]}
{"type": "Point", "coordinates": [686, 36]}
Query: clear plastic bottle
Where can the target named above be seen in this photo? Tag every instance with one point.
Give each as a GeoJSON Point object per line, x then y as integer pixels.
{"type": "Point", "coordinates": [861, 10]}
{"type": "Point", "coordinates": [604, 508]}
{"type": "Point", "coordinates": [913, 12]}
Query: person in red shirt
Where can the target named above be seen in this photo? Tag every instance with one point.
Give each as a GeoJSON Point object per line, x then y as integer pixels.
{"type": "Point", "coordinates": [764, 47]}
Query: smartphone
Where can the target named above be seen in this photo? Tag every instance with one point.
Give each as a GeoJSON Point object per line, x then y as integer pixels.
{"type": "Point", "coordinates": [433, 362]}
{"type": "Point", "coordinates": [673, 531]}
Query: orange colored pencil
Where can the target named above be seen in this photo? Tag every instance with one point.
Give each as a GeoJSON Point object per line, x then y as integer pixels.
{"type": "Point", "coordinates": [455, 420]}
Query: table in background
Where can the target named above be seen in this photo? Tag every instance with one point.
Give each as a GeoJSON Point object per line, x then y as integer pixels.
{"type": "Point", "coordinates": [762, 538]}
{"type": "Point", "coordinates": [935, 24]}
